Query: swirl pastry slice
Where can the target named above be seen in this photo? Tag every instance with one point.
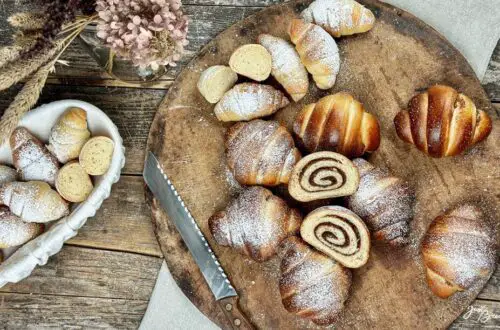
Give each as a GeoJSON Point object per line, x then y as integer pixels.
{"type": "Point", "coordinates": [317, 50]}
{"type": "Point", "coordinates": [441, 122]}
{"type": "Point", "coordinates": [337, 123]}
{"type": "Point", "coordinates": [384, 202]}
{"type": "Point", "coordinates": [459, 249]}
{"type": "Point", "coordinates": [339, 17]}
{"type": "Point", "coordinates": [248, 101]}
{"type": "Point", "coordinates": [255, 223]}
{"type": "Point", "coordinates": [323, 175]}
{"type": "Point", "coordinates": [260, 153]}
{"type": "Point", "coordinates": [338, 233]}
{"type": "Point", "coordinates": [286, 66]}
{"type": "Point", "coordinates": [312, 285]}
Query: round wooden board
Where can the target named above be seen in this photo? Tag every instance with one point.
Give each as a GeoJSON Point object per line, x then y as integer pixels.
{"type": "Point", "coordinates": [383, 68]}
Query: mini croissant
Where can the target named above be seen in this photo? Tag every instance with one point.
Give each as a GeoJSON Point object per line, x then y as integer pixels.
{"type": "Point", "coordinates": [260, 153]}
{"type": "Point", "coordinates": [255, 223]}
{"type": "Point", "coordinates": [33, 201]}
{"type": "Point", "coordinates": [69, 134]}
{"type": "Point", "coordinates": [441, 122]}
{"type": "Point", "coordinates": [339, 17]}
{"type": "Point", "coordinates": [31, 158]}
{"type": "Point", "coordinates": [337, 123]}
{"type": "Point", "coordinates": [458, 250]}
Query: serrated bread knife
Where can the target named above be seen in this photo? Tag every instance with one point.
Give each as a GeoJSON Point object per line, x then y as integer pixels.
{"type": "Point", "coordinates": [163, 190]}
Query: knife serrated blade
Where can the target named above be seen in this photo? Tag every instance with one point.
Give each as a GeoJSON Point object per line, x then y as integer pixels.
{"type": "Point", "coordinates": [162, 188]}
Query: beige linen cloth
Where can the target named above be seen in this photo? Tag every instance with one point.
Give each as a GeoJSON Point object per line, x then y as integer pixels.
{"type": "Point", "coordinates": [472, 26]}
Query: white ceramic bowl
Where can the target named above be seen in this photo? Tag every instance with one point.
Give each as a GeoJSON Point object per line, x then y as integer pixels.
{"type": "Point", "coordinates": [21, 261]}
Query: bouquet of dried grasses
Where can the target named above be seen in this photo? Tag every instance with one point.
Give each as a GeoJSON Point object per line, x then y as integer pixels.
{"type": "Point", "coordinates": [40, 40]}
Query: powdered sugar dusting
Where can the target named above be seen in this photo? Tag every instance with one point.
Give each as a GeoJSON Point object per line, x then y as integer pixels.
{"type": "Point", "coordinates": [257, 153]}
{"type": "Point", "coordinates": [14, 231]}
{"type": "Point", "coordinates": [286, 65]}
{"type": "Point", "coordinates": [254, 223]}
{"type": "Point", "coordinates": [467, 246]}
{"type": "Point", "coordinates": [7, 174]}
{"type": "Point", "coordinates": [382, 201]}
{"type": "Point", "coordinates": [317, 284]}
{"type": "Point", "coordinates": [247, 101]}
{"type": "Point", "coordinates": [33, 201]}
{"type": "Point", "coordinates": [32, 159]}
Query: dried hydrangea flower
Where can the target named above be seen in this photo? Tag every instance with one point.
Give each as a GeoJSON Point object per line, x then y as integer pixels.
{"type": "Point", "coordinates": [146, 32]}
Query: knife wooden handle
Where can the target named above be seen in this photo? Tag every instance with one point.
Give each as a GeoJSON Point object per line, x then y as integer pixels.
{"type": "Point", "coordinates": [232, 311]}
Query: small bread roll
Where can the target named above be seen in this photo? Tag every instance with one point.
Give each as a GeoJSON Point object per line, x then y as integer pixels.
{"type": "Point", "coordinates": [73, 183]}
{"type": "Point", "coordinates": [215, 81]}
{"type": "Point", "coordinates": [14, 231]}
{"type": "Point", "coordinates": [7, 174]}
{"type": "Point", "coordinates": [96, 155]}
{"type": "Point", "coordinates": [252, 61]}
{"type": "Point", "coordinates": [69, 134]}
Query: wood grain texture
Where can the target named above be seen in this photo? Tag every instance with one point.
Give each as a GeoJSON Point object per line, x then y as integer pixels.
{"type": "Point", "coordinates": [92, 273]}
{"type": "Point", "coordinates": [491, 81]}
{"type": "Point", "coordinates": [35, 311]}
{"type": "Point", "coordinates": [384, 78]}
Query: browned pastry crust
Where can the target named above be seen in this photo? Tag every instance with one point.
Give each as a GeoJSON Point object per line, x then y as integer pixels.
{"type": "Point", "coordinates": [312, 285]}
{"type": "Point", "coordinates": [255, 223]}
{"type": "Point", "coordinates": [31, 158]}
{"type": "Point", "coordinates": [458, 250]}
{"type": "Point", "coordinates": [441, 122]}
{"type": "Point", "coordinates": [384, 202]}
{"type": "Point", "coordinates": [337, 123]}
{"type": "Point", "coordinates": [260, 153]}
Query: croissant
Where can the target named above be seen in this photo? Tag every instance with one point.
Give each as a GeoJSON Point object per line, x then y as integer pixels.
{"type": "Point", "coordinates": [442, 122]}
{"type": "Point", "coordinates": [312, 285]}
{"type": "Point", "coordinates": [260, 153]}
{"type": "Point", "coordinates": [458, 250]}
{"type": "Point", "coordinates": [323, 175]}
{"type": "Point", "coordinates": [286, 66]}
{"type": "Point", "coordinates": [339, 233]}
{"type": "Point", "coordinates": [255, 223]}
{"type": "Point", "coordinates": [248, 101]}
{"type": "Point", "coordinates": [384, 202]}
{"type": "Point", "coordinates": [31, 158]}
{"type": "Point", "coordinates": [339, 17]}
{"type": "Point", "coordinates": [317, 50]}
{"type": "Point", "coordinates": [69, 134]}
{"type": "Point", "coordinates": [33, 201]}
{"type": "Point", "coordinates": [7, 174]}
{"type": "Point", "coordinates": [14, 231]}
{"type": "Point", "coordinates": [337, 123]}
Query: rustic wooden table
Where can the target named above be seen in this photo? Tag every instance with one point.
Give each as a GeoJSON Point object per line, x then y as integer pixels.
{"type": "Point", "coordinates": [103, 278]}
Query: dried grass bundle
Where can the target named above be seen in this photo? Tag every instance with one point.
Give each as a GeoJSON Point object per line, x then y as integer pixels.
{"type": "Point", "coordinates": [27, 21]}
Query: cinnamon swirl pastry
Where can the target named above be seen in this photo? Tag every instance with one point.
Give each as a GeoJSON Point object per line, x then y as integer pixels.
{"type": "Point", "coordinates": [312, 285]}
{"type": "Point", "coordinates": [338, 233]}
{"type": "Point", "coordinates": [323, 175]}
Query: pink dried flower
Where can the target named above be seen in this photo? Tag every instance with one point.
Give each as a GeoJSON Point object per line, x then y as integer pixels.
{"type": "Point", "coordinates": [146, 32]}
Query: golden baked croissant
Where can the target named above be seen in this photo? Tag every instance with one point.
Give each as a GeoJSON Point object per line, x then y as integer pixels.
{"type": "Point", "coordinates": [442, 122]}
{"type": "Point", "coordinates": [317, 50]}
{"type": "Point", "coordinates": [458, 250]}
{"type": "Point", "coordinates": [339, 17]}
{"type": "Point", "coordinates": [255, 223]}
{"type": "Point", "coordinates": [312, 285]}
{"type": "Point", "coordinates": [31, 158]}
{"type": "Point", "coordinates": [337, 123]}
{"type": "Point", "coordinates": [260, 153]}
{"type": "Point", "coordinates": [384, 202]}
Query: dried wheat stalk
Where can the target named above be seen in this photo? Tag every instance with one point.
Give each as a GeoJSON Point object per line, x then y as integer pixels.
{"type": "Point", "coordinates": [24, 100]}
{"type": "Point", "coordinates": [27, 21]}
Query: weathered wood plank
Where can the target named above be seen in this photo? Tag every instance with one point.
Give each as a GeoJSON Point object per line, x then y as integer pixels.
{"type": "Point", "coordinates": [123, 223]}
{"type": "Point", "coordinates": [492, 289]}
{"type": "Point", "coordinates": [482, 314]}
{"type": "Point", "coordinates": [92, 273]}
{"type": "Point", "coordinates": [491, 81]}
{"type": "Point", "coordinates": [35, 311]}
